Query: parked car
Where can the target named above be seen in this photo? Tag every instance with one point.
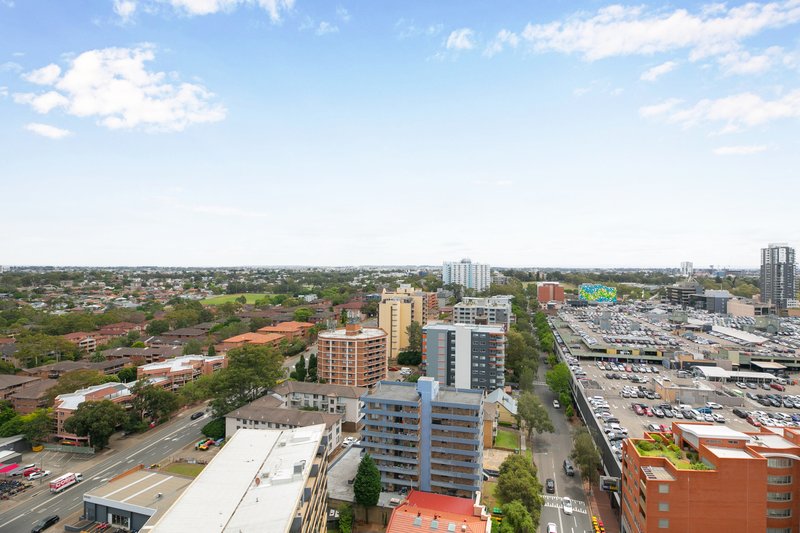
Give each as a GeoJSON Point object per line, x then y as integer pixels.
{"type": "Point", "coordinates": [713, 405]}
{"type": "Point", "coordinates": [568, 468]}
{"type": "Point", "coordinates": [550, 486]}
{"type": "Point", "coordinates": [348, 441]}
{"type": "Point", "coordinates": [556, 404]}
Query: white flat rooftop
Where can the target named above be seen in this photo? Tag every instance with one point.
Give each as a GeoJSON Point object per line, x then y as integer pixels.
{"type": "Point", "coordinates": [729, 453]}
{"type": "Point", "coordinates": [704, 431]}
{"type": "Point", "coordinates": [249, 487]}
{"type": "Point", "coordinates": [365, 333]}
{"type": "Point", "coordinates": [181, 363]}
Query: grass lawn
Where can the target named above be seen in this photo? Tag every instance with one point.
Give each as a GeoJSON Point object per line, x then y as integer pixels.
{"type": "Point", "coordinates": [487, 495]}
{"type": "Point", "coordinates": [184, 469]}
{"type": "Point", "coordinates": [223, 298]}
{"type": "Point", "coordinates": [676, 459]}
{"type": "Point", "coordinates": [507, 439]}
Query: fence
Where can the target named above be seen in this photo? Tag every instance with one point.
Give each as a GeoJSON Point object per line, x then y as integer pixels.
{"type": "Point", "coordinates": [84, 450]}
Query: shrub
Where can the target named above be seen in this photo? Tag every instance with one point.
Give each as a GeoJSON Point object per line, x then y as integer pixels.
{"type": "Point", "coordinates": [645, 446]}
{"type": "Point", "coordinates": [674, 448]}
{"type": "Point", "coordinates": [215, 429]}
{"type": "Point", "coordinates": [657, 438]}
{"type": "Point", "coordinates": [409, 358]}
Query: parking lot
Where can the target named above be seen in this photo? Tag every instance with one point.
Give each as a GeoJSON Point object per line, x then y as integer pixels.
{"type": "Point", "coordinates": [625, 399]}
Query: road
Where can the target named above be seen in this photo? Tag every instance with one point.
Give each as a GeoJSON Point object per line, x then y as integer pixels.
{"type": "Point", "coordinates": [150, 448]}
{"type": "Point", "coordinates": [550, 450]}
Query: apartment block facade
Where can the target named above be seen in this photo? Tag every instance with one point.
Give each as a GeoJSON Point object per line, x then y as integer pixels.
{"type": "Point", "coordinates": [465, 356]}
{"type": "Point", "coordinates": [549, 291]}
{"type": "Point", "coordinates": [65, 405]}
{"type": "Point", "coordinates": [173, 374]}
{"type": "Point", "coordinates": [469, 275]}
{"type": "Point", "coordinates": [485, 311]}
{"type": "Point", "coordinates": [353, 356]}
{"type": "Point", "coordinates": [333, 399]}
{"type": "Point", "coordinates": [777, 280]}
{"type": "Point", "coordinates": [425, 437]}
{"type": "Point", "coordinates": [398, 309]}
{"type": "Point", "coordinates": [711, 478]}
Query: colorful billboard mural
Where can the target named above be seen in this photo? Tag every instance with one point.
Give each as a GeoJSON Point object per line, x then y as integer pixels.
{"type": "Point", "coordinates": [597, 293]}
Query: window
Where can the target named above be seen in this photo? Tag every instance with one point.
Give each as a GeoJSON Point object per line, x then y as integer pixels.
{"type": "Point", "coordinates": [663, 489]}
{"type": "Point", "coordinates": [779, 480]}
{"type": "Point", "coordinates": [663, 523]}
{"type": "Point", "coordinates": [120, 521]}
{"type": "Point", "coordinates": [663, 507]}
{"type": "Point", "coordinates": [779, 530]}
{"type": "Point", "coordinates": [779, 496]}
{"type": "Point", "coordinates": [779, 462]}
{"type": "Point", "coordinates": [779, 513]}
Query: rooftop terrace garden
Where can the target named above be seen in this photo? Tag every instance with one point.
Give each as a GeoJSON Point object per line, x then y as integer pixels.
{"type": "Point", "coordinates": [662, 447]}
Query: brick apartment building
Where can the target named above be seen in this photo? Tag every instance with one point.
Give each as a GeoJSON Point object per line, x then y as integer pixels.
{"type": "Point", "coordinates": [66, 404]}
{"type": "Point", "coordinates": [714, 478]}
{"type": "Point", "coordinates": [86, 342]}
{"type": "Point", "coordinates": [354, 356]}
{"type": "Point", "coordinates": [273, 340]}
{"type": "Point", "coordinates": [549, 291]}
{"type": "Point", "coordinates": [291, 330]}
{"type": "Point", "coordinates": [173, 374]}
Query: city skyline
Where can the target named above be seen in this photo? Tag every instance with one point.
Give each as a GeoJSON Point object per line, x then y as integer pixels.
{"type": "Point", "coordinates": [279, 132]}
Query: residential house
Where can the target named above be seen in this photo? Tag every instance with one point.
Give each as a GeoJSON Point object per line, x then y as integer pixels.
{"type": "Point", "coordinates": [336, 399]}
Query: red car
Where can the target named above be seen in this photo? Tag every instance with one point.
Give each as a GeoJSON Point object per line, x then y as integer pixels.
{"type": "Point", "coordinates": [638, 410]}
{"type": "Point", "coordinates": [648, 411]}
{"type": "Point", "coordinates": [753, 421]}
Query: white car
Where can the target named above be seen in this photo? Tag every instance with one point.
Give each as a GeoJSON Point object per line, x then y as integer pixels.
{"type": "Point", "coordinates": [40, 474]}
{"type": "Point", "coordinates": [348, 441]}
{"type": "Point", "coordinates": [566, 504]}
{"type": "Point", "coordinates": [713, 405]}
{"type": "Point", "coordinates": [551, 528]}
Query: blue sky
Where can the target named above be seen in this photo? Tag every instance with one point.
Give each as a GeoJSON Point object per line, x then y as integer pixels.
{"type": "Point", "coordinates": [266, 132]}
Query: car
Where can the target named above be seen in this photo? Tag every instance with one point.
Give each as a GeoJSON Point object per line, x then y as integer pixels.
{"type": "Point", "coordinates": [198, 414]}
{"type": "Point", "coordinates": [741, 385]}
{"type": "Point", "coordinates": [550, 486]}
{"type": "Point", "coordinates": [551, 528]}
{"type": "Point", "coordinates": [713, 405]}
{"type": "Point", "coordinates": [556, 404]}
{"type": "Point", "coordinates": [648, 411]}
{"type": "Point", "coordinates": [39, 474]}
{"type": "Point", "coordinates": [741, 413]}
{"type": "Point", "coordinates": [718, 418]}
{"type": "Point", "coordinates": [566, 504]}
{"type": "Point", "coordinates": [568, 468]}
{"type": "Point", "coordinates": [765, 386]}
{"type": "Point", "coordinates": [44, 523]}
{"type": "Point", "coordinates": [638, 409]}
{"type": "Point", "coordinates": [658, 412]}
{"type": "Point", "coordinates": [348, 441]}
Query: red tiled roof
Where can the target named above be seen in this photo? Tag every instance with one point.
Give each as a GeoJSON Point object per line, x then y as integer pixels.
{"type": "Point", "coordinates": [446, 509]}
{"type": "Point", "coordinates": [255, 338]}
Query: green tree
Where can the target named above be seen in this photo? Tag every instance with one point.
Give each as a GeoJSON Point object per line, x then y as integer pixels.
{"type": "Point", "coordinates": [215, 429]}
{"type": "Point", "coordinates": [11, 427]}
{"type": "Point", "coordinates": [252, 370]}
{"type": "Point", "coordinates": [299, 373]}
{"type": "Point", "coordinates": [193, 347]}
{"type": "Point", "coordinates": [526, 379]}
{"type": "Point", "coordinates": [367, 484]}
{"type": "Point", "coordinates": [197, 390]}
{"type": "Point", "coordinates": [585, 454]}
{"type": "Point", "coordinates": [242, 299]}
{"type": "Point", "coordinates": [312, 368]}
{"type": "Point", "coordinates": [534, 414]}
{"type": "Point", "coordinates": [138, 344]}
{"type": "Point", "coordinates": [343, 317]}
{"type": "Point", "coordinates": [303, 314]}
{"type": "Point", "coordinates": [518, 481]}
{"type": "Point", "coordinates": [127, 374]}
{"type": "Point", "coordinates": [97, 420]}
{"type": "Point", "coordinates": [516, 519]}
{"type": "Point", "coordinates": [346, 518]}
{"type": "Point", "coordinates": [409, 358]}
{"type": "Point", "coordinates": [37, 425]}
{"type": "Point", "coordinates": [36, 348]}
{"type": "Point", "coordinates": [414, 331]}
{"type": "Point", "coordinates": [370, 309]}
{"type": "Point", "coordinates": [212, 351]}
{"type": "Point", "coordinates": [157, 327]}
{"type": "Point", "coordinates": [154, 403]}
{"type": "Point", "coordinates": [558, 378]}
{"type": "Point", "coordinates": [7, 368]}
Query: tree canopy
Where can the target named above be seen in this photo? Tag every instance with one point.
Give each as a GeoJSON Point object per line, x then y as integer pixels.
{"type": "Point", "coordinates": [516, 519]}
{"type": "Point", "coordinates": [97, 420]}
{"type": "Point", "coordinates": [367, 484]}
{"type": "Point", "coordinates": [251, 371]}
{"type": "Point", "coordinates": [534, 414]}
{"type": "Point", "coordinates": [586, 455]}
{"type": "Point", "coordinates": [518, 482]}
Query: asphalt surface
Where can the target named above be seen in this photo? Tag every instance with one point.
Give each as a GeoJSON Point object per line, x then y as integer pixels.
{"type": "Point", "coordinates": [549, 452]}
{"type": "Point", "coordinates": [150, 448]}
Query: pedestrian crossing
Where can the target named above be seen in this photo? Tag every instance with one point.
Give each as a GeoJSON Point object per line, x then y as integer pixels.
{"type": "Point", "coordinates": [555, 502]}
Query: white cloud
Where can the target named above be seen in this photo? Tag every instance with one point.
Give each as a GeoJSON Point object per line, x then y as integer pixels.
{"type": "Point", "coordinates": [736, 112]}
{"type": "Point", "coordinates": [325, 28]}
{"type": "Point", "coordinates": [580, 91]}
{"type": "Point", "coordinates": [744, 63]}
{"type": "Point", "coordinates": [659, 109]}
{"type": "Point", "coordinates": [43, 76]}
{"type": "Point", "coordinates": [275, 8]}
{"type": "Point", "coordinates": [504, 38]}
{"type": "Point", "coordinates": [114, 85]}
{"type": "Point", "coordinates": [739, 150]}
{"type": "Point", "coordinates": [343, 14]}
{"type": "Point", "coordinates": [46, 130]}
{"type": "Point", "coordinates": [622, 30]}
{"type": "Point", "coordinates": [124, 9]}
{"type": "Point", "coordinates": [461, 39]}
{"type": "Point", "coordinates": [10, 66]}
{"type": "Point", "coordinates": [407, 29]}
{"type": "Point", "coordinates": [4, 92]}
{"type": "Point", "coordinates": [652, 74]}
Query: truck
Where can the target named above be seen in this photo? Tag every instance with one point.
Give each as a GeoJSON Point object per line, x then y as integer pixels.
{"type": "Point", "coordinates": [63, 482]}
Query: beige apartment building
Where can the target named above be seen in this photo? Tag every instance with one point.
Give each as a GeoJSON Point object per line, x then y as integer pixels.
{"type": "Point", "coordinates": [398, 309]}
{"type": "Point", "coordinates": [354, 356]}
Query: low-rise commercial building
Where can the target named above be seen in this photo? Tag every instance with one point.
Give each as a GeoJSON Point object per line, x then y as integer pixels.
{"type": "Point", "coordinates": [271, 411]}
{"type": "Point", "coordinates": [272, 481]}
{"type": "Point", "coordinates": [327, 398]}
{"type": "Point", "coordinates": [426, 437]}
{"type": "Point", "coordinates": [174, 373]}
{"type": "Point", "coordinates": [465, 356]}
{"type": "Point", "coordinates": [702, 477]}
{"type": "Point", "coordinates": [549, 291]}
{"type": "Point", "coordinates": [354, 356]}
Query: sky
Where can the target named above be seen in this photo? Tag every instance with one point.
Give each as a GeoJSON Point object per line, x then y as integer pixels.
{"type": "Point", "coordinates": [298, 132]}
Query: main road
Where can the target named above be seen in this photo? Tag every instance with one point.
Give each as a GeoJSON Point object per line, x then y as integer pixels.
{"type": "Point", "coordinates": [149, 448]}
{"type": "Point", "coordinates": [549, 452]}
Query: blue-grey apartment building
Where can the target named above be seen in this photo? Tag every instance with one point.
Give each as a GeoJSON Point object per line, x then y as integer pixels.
{"type": "Point", "coordinates": [425, 437]}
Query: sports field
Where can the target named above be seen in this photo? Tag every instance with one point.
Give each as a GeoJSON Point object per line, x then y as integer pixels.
{"type": "Point", "coordinates": [223, 298]}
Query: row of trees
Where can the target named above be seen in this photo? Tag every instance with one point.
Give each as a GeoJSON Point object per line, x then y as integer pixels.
{"type": "Point", "coordinates": [520, 492]}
